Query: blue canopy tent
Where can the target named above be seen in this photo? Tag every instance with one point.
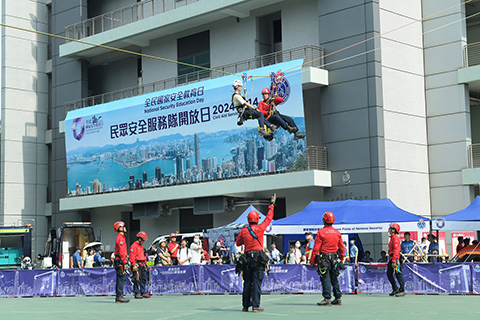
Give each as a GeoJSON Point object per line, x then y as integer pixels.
{"type": "Point", "coordinates": [228, 231]}
{"type": "Point", "coordinates": [463, 220]}
{"type": "Point", "coordinates": [351, 216]}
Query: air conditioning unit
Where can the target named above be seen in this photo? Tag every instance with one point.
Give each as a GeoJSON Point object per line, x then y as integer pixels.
{"type": "Point", "coordinates": [209, 205]}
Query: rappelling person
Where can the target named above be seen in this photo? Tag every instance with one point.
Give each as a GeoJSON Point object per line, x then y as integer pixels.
{"type": "Point", "coordinates": [268, 106]}
{"type": "Point", "coordinates": [247, 111]}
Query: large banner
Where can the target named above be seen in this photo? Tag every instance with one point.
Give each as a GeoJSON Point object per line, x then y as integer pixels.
{"type": "Point", "coordinates": [419, 278]}
{"type": "Point", "coordinates": [436, 278]}
{"type": "Point", "coordinates": [182, 135]}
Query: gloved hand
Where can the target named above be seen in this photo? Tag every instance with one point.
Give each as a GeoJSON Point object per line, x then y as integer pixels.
{"type": "Point", "coordinates": [135, 267]}
{"type": "Point", "coordinates": [273, 199]}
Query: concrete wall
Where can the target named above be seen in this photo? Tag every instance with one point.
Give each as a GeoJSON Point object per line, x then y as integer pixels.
{"type": "Point", "coordinates": [96, 8]}
{"type": "Point", "coordinates": [69, 82]}
{"type": "Point", "coordinates": [406, 154]}
{"type": "Point", "coordinates": [116, 75]}
{"type": "Point", "coordinates": [448, 114]}
{"type": "Point", "coordinates": [351, 106]}
{"type": "Point", "coordinates": [24, 107]}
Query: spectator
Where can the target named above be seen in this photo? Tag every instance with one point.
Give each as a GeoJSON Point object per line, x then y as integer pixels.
{"type": "Point", "coordinates": [474, 242]}
{"type": "Point", "coordinates": [424, 246]}
{"type": "Point", "coordinates": [196, 250]}
{"type": "Point", "coordinates": [466, 242]}
{"type": "Point", "coordinates": [184, 254]}
{"type": "Point", "coordinates": [98, 260]}
{"type": "Point", "coordinates": [407, 246]}
{"type": "Point", "coordinates": [353, 252]}
{"type": "Point", "coordinates": [163, 256]}
{"type": "Point", "coordinates": [433, 247]}
{"type": "Point", "coordinates": [173, 248]}
{"type": "Point", "coordinates": [205, 257]}
{"type": "Point", "coordinates": [76, 258]}
{"type": "Point", "coordinates": [239, 250]}
{"type": "Point", "coordinates": [384, 257]}
{"type": "Point", "coordinates": [309, 246]}
{"type": "Point", "coordinates": [367, 258]}
{"type": "Point", "coordinates": [224, 253]}
{"type": "Point", "coordinates": [275, 254]}
{"type": "Point", "coordinates": [298, 252]}
{"type": "Point", "coordinates": [346, 250]}
{"type": "Point", "coordinates": [232, 254]}
{"type": "Point", "coordinates": [89, 258]}
{"type": "Point", "coordinates": [290, 257]}
{"type": "Point", "coordinates": [215, 254]}
{"type": "Point", "coordinates": [460, 245]}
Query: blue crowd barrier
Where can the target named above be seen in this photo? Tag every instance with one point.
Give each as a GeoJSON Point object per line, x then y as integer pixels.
{"type": "Point", "coordinates": [419, 278]}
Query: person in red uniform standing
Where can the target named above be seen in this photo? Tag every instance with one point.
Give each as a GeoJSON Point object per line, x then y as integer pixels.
{"type": "Point", "coordinates": [329, 253]}
{"type": "Point", "coordinates": [394, 263]}
{"type": "Point", "coordinates": [120, 261]}
{"type": "Point", "coordinates": [139, 266]}
{"type": "Point", "coordinates": [253, 271]}
{"type": "Point", "coordinates": [268, 106]}
{"type": "Point", "coordinates": [173, 247]}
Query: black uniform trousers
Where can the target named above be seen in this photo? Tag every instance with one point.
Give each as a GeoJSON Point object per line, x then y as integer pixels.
{"type": "Point", "coordinates": [255, 114]}
{"type": "Point", "coordinates": [252, 281]}
{"type": "Point", "coordinates": [121, 278]}
{"type": "Point", "coordinates": [282, 120]}
{"type": "Point", "coordinates": [399, 276]}
{"type": "Point", "coordinates": [140, 278]}
{"type": "Point", "coordinates": [329, 280]}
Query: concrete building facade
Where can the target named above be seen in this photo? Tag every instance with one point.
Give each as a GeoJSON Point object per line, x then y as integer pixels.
{"type": "Point", "coordinates": [394, 100]}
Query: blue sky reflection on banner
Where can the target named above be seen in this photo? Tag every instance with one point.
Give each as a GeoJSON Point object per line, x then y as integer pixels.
{"type": "Point", "coordinates": [180, 135]}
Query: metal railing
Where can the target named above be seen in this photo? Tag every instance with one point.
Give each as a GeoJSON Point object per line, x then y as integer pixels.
{"type": "Point", "coordinates": [117, 18]}
{"type": "Point", "coordinates": [317, 158]}
{"type": "Point", "coordinates": [474, 155]}
{"type": "Point", "coordinates": [313, 57]}
{"type": "Point", "coordinates": [471, 54]}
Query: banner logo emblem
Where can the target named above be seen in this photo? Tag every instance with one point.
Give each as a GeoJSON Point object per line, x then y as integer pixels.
{"type": "Point", "coordinates": [78, 128]}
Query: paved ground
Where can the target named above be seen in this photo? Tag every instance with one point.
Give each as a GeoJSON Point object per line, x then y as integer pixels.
{"type": "Point", "coordinates": [227, 307]}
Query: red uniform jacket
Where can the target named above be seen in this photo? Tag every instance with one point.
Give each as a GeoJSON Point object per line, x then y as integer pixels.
{"type": "Point", "coordinates": [173, 249]}
{"type": "Point", "coordinates": [251, 244]}
{"type": "Point", "coordinates": [137, 254]}
{"type": "Point", "coordinates": [263, 106]}
{"type": "Point", "coordinates": [328, 240]}
{"type": "Point", "coordinates": [394, 247]}
{"type": "Point", "coordinates": [121, 248]}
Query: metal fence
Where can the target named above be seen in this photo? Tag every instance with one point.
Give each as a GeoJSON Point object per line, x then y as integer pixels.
{"type": "Point", "coordinates": [312, 55]}
{"type": "Point", "coordinates": [474, 155]}
{"type": "Point", "coordinates": [472, 54]}
{"type": "Point", "coordinates": [317, 158]}
{"type": "Point", "coordinates": [122, 16]}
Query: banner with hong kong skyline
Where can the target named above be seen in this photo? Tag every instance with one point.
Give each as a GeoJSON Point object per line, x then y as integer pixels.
{"type": "Point", "coordinates": [181, 135]}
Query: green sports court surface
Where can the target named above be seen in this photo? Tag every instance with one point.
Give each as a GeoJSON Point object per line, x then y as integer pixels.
{"type": "Point", "coordinates": [228, 307]}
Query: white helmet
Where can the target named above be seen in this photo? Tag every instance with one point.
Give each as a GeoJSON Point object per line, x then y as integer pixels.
{"type": "Point", "coordinates": [237, 83]}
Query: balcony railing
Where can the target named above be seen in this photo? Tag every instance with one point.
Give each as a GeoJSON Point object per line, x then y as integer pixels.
{"type": "Point", "coordinates": [123, 16]}
{"type": "Point", "coordinates": [313, 57]}
{"type": "Point", "coordinates": [474, 155]}
{"type": "Point", "coordinates": [471, 54]}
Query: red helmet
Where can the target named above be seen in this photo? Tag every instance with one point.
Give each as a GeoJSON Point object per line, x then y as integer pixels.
{"type": "Point", "coordinates": [395, 226]}
{"type": "Point", "coordinates": [173, 235]}
{"type": "Point", "coordinates": [253, 217]}
{"type": "Point", "coordinates": [266, 90]}
{"type": "Point", "coordinates": [328, 217]}
{"type": "Point", "coordinates": [118, 224]}
{"type": "Point", "coordinates": [142, 235]}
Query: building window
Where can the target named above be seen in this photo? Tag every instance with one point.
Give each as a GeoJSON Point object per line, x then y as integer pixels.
{"type": "Point", "coordinates": [269, 38]}
{"type": "Point", "coordinates": [194, 49]}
